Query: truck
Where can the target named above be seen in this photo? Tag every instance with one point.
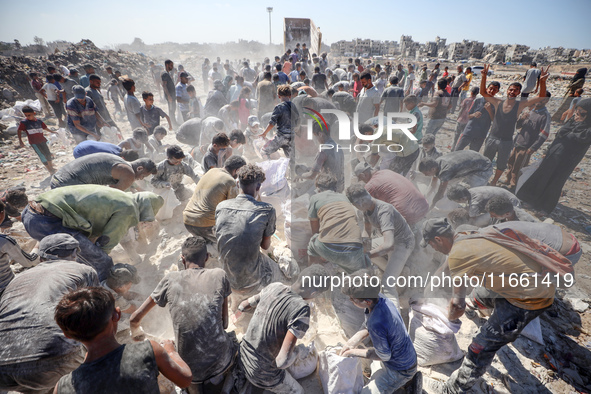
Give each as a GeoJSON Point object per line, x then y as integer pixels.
{"type": "Point", "coordinates": [302, 31]}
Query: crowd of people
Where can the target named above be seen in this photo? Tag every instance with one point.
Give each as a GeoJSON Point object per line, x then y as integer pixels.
{"type": "Point", "coordinates": [368, 212]}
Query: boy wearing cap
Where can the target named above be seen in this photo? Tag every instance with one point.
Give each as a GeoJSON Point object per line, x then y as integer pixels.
{"type": "Point", "coordinates": [197, 299]}
{"type": "Point", "coordinates": [182, 96]}
{"type": "Point", "coordinates": [170, 173]}
{"type": "Point", "coordinates": [84, 122]}
{"type": "Point", "coordinates": [392, 346]}
{"type": "Point", "coordinates": [34, 130]}
{"type": "Point", "coordinates": [516, 304]}
{"type": "Point", "coordinates": [120, 280]}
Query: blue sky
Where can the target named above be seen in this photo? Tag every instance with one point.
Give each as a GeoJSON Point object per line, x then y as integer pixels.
{"type": "Point", "coordinates": [535, 23]}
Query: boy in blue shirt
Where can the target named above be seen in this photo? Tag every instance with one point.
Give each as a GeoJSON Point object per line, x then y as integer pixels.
{"type": "Point", "coordinates": [385, 327]}
{"type": "Point", "coordinates": [151, 114]}
{"type": "Point", "coordinates": [282, 118]}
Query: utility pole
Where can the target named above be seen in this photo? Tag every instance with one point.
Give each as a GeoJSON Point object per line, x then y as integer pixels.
{"type": "Point", "coordinates": [269, 10]}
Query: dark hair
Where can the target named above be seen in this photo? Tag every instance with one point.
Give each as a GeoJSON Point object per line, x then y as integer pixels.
{"type": "Point", "coordinates": [84, 313]}
{"type": "Point", "coordinates": [278, 67]}
{"type": "Point", "coordinates": [148, 165]}
{"type": "Point", "coordinates": [129, 155]}
{"type": "Point", "coordinates": [194, 250]}
{"type": "Point", "coordinates": [27, 110]}
{"type": "Point", "coordinates": [168, 62]}
{"type": "Point", "coordinates": [365, 75]}
{"type": "Point", "coordinates": [128, 83]}
{"type": "Point", "coordinates": [250, 174]}
{"type": "Point", "coordinates": [93, 77]}
{"type": "Point", "coordinates": [442, 84]}
{"type": "Point", "coordinates": [2, 206]}
{"type": "Point", "coordinates": [475, 90]}
{"type": "Point", "coordinates": [394, 80]}
{"type": "Point", "coordinates": [140, 133]}
{"type": "Point", "coordinates": [49, 76]}
{"type": "Point", "coordinates": [458, 216]}
{"type": "Point", "coordinates": [495, 83]}
{"type": "Point", "coordinates": [516, 84]}
{"type": "Point", "coordinates": [427, 164]}
{"type": "Point", "coordinates": [16, 197]}
{"type": "Point", "coordinates": [190, 89]}
{"type": "Point", "coordinates": [160, 130]}
{"type": "Point", "coordinates": [32, 75]}
{"type": "Point", "coordinates": [57, 77]}
{"type": "Point", "coordinates": [356, 191]}
{"type": "Point", "coordinates": [234, 162]}
{"type": "Point", "coordinates": [457, 192]}
{"type": "Point", "coordinates": [175, 152]}
{"type": "Point", "coordinates": [220, 139]}
{"type": "Point", "coordinates": [284, 90]}
{"type": "Point", "coordinates": [499, 205]}
{"type": "Point", "coordinates": [266, 75]}
{"type": "Point", "coordinates": [326, 181]}
{"type": "Point", "coordinates": [428, 139]}
{"type": "Point", "coordinates": [145, 95]}
{"type": "Point", "coordinates": [366, 129]}
{"type": "Point", "coordinates": [411, 98]}
{"type": "Point", "coordinates": [238, 136]}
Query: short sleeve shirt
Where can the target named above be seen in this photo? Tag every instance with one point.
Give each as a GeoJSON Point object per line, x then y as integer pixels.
{"type": "Point", "coordinates": [240, 225]}
{"type": "Point", "coordinates": [86, 114]}
{"type": "Point", "coordinates": [278, 311]}
{"type": "Point", "coordinates": [338, 221]}
{"type": "Point", "coordinates": [195, 299]}
{"type": "Point", "coordinates": [386, 218]}
{"type": "Point", "coordinates": [133, 107]}
{"type": "Point", "coordinates": [34, 130]}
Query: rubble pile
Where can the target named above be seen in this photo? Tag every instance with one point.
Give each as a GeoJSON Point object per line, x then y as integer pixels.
{"type": "Point", "coordinates": [14, 70]}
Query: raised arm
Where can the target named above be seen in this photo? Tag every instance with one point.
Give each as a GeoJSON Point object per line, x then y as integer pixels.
{"type": "Point", "coordinates": [492, 100]}
{"type": "Point", "coordinates": [526, 103]}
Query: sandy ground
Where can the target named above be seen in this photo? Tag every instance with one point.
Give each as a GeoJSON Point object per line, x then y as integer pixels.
{"type": "Point", "coordinates": [561, 365]}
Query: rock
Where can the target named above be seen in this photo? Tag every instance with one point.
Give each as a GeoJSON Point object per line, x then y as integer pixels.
{"type": "Point", "coordinates": [578, 304]}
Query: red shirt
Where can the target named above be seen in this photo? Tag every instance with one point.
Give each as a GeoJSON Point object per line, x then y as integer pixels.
{"type": "Point", "coordinates": [34, 130]}
{"type": "Point", "coordinates": [393, 188]}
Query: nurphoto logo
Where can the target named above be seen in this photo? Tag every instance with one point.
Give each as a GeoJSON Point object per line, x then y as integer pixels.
{"type": "Point", "coordinates": [385, 127]}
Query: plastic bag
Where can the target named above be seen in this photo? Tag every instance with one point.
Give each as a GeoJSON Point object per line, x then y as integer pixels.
{"type": "Point", "coordinates": [61, 137]}
{"type": "Point", "coordinates": [170, 203]}
{"type": "Point", "coordinates": [19, 105]}
{"type": "Point", "coordinates": [339, 375]}
{"type": "Point", "coordinates": [110, 134]}
{"type": "Point", "coordinates": [433, 335]}
{"type": "Point", "coordinates": [306, 362]}
{"type": "Point", "coordinates": [533, 331]}
{"type": "Point", "coordinates": [275, 175]}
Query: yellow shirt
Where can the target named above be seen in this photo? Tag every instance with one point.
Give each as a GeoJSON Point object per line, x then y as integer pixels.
{"type": "Point", "coordinates": [214, 187]}
{"type": "Point", "coordinates": [469, 76]}
{"type": "Point", "coordinates": [486, 259]}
